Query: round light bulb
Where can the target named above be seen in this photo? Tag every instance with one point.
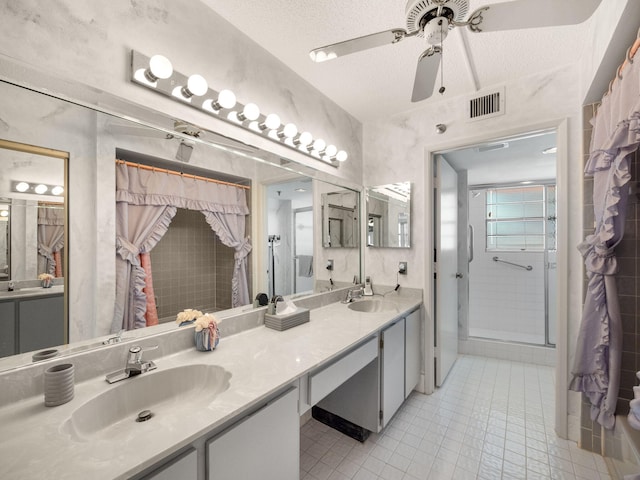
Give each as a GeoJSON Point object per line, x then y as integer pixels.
{"type": "Point", "coordinates": [159, 67]}
{"type": "Point", "coordinates": [331, 150]}
{"type": "Point", "coordinates": [197, 85]}
{"type": "Point", "coordinates": [305, 139]}
{"type": "Point", "coordinates": [4, 213]}
{"type": "Point", "coordinates": [319, 145]}
{"type": "Point", "coordinates": [226, 99]}
{"type": "Point", "coordinates": [342, 156]}
{"type": "Point", "coordinates": [22, 187]}
{"type": "Point", "coordinates": [272, 122]}
{"type": "Point", "coordinates": [251, 111]}
{"type": "Point", "coordinates": [40, 189]}
{"type": "Point", "coordinates": [320, 56]}
{"type": "Point", "coordinates": [290, 130]}
{"type": "Point", "coordinates": [57, 190]}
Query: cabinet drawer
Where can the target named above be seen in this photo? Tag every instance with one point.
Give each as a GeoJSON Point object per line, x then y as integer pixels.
{"type": "Point", "coordinates": [325, 381]}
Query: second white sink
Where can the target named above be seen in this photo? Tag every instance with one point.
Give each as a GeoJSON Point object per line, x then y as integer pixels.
{"type": "Point", "coordinates": [373, 306]}
{"type": "Point", "coordinates": [114, 413]}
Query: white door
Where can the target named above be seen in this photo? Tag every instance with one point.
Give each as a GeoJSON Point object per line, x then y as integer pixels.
{"type": "Point", "coordinates": [445, 268]}
{"type": "Point", "coordinates": [303, 249]}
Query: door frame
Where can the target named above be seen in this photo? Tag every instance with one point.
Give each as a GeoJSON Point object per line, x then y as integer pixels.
{"type": "Point", "coordinates": [563, 249]}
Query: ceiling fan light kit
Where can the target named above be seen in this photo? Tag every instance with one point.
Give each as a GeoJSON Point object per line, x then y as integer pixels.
{"type": "Point", "coordinates": [433, 19]}
{"type": "Point", "coordinates": [157, 74]}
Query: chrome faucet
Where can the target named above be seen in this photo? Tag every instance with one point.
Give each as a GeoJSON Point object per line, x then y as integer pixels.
{"type": "Point", "coordinates": [116, 339]}
{"type": "Point", "coordinates": [353, 294]}
{"type": "Point", "coordinates": [135, 365]}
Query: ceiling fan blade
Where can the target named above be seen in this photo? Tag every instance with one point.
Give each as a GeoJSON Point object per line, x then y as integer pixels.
{"type": "Point", "coordinates": [340, 49]}
{"type": "Point", "coordinates": [521, 14]}
{"type": "Point", "coordinates": [426, 74]}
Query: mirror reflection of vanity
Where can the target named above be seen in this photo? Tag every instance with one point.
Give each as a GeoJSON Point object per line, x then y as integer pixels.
{"type": "Point", "coordinates": [92, 139]}
{"type": "Point", "coordinates": [389, 215]}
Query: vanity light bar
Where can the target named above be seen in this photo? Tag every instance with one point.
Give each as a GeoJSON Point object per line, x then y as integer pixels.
{"type": "Point", "coordinates": [157, 73]}
{"type": "Point", "coordinates": [36, 188]}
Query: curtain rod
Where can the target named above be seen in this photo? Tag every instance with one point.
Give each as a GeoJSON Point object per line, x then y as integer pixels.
{"type": "Point", "coordinates": [173, 172]}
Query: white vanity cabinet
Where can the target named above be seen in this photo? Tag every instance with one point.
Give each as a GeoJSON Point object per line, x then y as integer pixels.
{"type": "Point", "coordinates": [264, 445]}
{"type": "Point", "coordinates": [412, 355]}
{"type": "Point", "coordinates": [392, 375]}
{"type": "Point", "coordinates": [184, 467]}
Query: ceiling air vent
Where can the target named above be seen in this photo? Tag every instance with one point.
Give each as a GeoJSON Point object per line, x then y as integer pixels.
{"type": "Point", "coordinates": [486, 106]}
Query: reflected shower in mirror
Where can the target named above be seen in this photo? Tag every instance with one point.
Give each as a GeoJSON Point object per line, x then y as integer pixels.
{"type": "Point", "coordinates": [389, 215]}
{"type": "Point", "coordinates": [340, 225]}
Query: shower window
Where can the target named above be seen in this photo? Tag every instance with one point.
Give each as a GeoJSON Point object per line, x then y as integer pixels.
{"type": "Point", "coordinates": [520, 218]}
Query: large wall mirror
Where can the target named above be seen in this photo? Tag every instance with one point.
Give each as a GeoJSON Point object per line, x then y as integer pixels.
{"type": "Point", "coordinates": [94, 141]}
{"type": "Point", "coordinates": [389, 215]}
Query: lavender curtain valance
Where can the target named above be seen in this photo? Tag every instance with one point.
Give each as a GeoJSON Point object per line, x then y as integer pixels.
{"type": "Point", "coordinates": [616, 134]}
{"type": "Point", "coordinates": [137, 186]}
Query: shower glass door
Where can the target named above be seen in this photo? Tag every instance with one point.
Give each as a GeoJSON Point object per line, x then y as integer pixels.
{"type": "Point", "coordinates": [510, 292]}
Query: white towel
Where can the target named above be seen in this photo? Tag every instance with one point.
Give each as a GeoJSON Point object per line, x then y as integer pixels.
{"type": "Point", "coordinates": [305, 265]}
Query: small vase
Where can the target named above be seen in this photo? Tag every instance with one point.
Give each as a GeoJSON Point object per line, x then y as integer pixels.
{"type": "Point", "coordinates": [207, 339]}
{"type": "Point", "coordinates": [46, 283]}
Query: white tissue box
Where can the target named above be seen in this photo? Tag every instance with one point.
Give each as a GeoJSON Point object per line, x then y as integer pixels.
{"type": "Point", "coordinates": [288, 320]}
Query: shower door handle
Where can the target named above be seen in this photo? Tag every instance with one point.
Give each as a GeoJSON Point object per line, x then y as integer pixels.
{"type": "Point", "coordinates": [470, 243]}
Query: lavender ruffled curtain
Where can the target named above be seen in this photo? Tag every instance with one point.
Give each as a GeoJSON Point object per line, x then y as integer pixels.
{"type": "Point", "coordinates": [50, 237]}
{"type": "Point", "coordinates": [157, 195]}
{"type": "Point", "coordinates": [616, 134]}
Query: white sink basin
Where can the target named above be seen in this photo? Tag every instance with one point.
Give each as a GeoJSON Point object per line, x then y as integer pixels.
{"type": "Point", "coordinates": [167, 394]}
{"type": "Point", "coordinates": [373, 306]}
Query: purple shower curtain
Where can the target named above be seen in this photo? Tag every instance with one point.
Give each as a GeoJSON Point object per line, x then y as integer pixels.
{"type": "Point", "coordinates": [616, 134]}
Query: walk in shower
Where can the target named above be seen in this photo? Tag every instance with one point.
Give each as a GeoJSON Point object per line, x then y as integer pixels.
{"type": "Point", "coordinates": [506, 234]}
{"type": "Point", "coordinates": [512, 242]}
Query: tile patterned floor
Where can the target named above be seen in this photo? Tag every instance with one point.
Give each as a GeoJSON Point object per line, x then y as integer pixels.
{"type": "Point", "coordinates": [493, 419]}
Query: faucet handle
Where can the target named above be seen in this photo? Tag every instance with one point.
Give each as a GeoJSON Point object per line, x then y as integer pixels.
{"type": "Point", "coordinates": [136, 351]}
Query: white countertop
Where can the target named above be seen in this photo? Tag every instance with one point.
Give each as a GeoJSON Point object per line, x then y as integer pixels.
{"type": "Point", "coordinates": [261, 361]}
{"type": "Point", "coordinates": [32, 292]}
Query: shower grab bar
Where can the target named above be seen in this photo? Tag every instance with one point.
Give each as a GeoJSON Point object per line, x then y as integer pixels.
{"type": "Point", "coordinates": [526, 267]}
{"type": "Point", "coordinates": [470, 243]}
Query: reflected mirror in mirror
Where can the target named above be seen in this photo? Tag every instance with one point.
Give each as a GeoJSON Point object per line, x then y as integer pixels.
{"type": "Point", "coordinates": [290, 235]}
{"type": "Point", "coordinates": [32, 247]}
{"type": "Point", "coordinates": [340, 220]}
{"type": "Point", "coordinates": [93, 140]}
{"type": "Point", "coordinates": [389, 215]}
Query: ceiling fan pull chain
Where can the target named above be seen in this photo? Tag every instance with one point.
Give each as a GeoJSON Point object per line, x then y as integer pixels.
{"type": "Point", "coordinates": [442, 89]}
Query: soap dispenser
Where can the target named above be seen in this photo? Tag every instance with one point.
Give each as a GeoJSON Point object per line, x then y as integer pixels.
{"type": "Point", "coordinates": [368, 289]}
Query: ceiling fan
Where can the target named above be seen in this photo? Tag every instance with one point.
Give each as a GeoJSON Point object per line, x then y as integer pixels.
{"type": "Point", "coordinates": [433, 19]}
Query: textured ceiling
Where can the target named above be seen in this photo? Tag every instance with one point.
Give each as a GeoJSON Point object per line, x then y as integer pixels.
{"type": "Point", "coordinates": [378, 82]}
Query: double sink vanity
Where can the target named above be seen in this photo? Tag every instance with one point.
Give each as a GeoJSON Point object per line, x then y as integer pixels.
{"type": "Point", "coordinates": [227, 414]}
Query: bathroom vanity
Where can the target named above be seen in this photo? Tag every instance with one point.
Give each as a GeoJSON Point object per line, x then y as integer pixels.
{"type": "Point", "coordinates": [246, 425]}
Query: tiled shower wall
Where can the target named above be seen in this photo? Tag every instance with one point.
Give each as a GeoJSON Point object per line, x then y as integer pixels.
{"type": "Point", "coordinates": [191, 267]}
{"type": "Point", "coordinates": [628, 291]}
